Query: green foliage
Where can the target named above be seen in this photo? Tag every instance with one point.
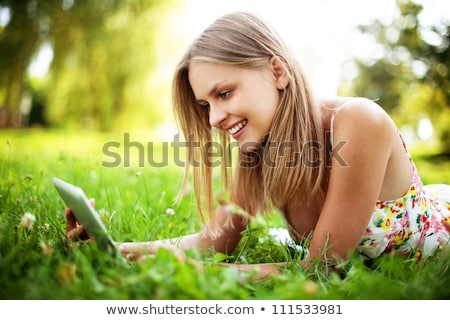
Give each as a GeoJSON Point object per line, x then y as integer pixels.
{"type": "Point", "coordinates": [105, 56]}
{"type": "Point", "coordinates": [35, 263]}
{"type": "Point", "coordinates": [409, 74]}
{"type": "Point", "coordinates": [15, 55]}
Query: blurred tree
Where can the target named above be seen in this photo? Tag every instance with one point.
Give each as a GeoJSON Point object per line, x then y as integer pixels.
{"type": "Point", "coordinates": [411, 76]}
{"type": "Point", "coordinates": [103, 54]}
{"type": "Point", "coordinates": [18, 41]}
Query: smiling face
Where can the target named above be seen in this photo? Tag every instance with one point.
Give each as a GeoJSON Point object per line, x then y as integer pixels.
{"type": "Point", "coordinates": [241, 101]}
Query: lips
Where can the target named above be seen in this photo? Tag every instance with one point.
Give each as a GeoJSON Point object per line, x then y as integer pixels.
{"type": "Point", "coordinates": [237, 127]}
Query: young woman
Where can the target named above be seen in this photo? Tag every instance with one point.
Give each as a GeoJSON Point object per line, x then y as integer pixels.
{"type": "Point", "coordinates": [337, 169]}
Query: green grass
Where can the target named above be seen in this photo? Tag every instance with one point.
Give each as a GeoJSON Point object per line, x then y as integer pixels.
{"type": "Point", "coordinates": [36, 264]}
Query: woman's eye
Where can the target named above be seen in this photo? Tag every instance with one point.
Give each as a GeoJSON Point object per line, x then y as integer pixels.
{"type": "Point", "coordinates": [205, 106]}
{"type": "Point", "coordinates": [224, 94]}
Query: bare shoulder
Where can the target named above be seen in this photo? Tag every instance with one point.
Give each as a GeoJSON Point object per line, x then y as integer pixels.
{"type": "Point", "coordinates": [363, 116]}
{"type": "Point", "coordinates": [362, 109]}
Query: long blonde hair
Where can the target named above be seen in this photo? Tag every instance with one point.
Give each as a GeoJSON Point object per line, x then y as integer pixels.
{"type": "Point", "coordinates": [263, 177]}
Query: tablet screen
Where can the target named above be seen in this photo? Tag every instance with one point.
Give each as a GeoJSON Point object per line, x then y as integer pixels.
{"type": "Point", "coordinates": [75, 199]}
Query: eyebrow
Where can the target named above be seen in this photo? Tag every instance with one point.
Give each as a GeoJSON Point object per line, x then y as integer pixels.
{"type": "Point", "coordinates": [213, 90]}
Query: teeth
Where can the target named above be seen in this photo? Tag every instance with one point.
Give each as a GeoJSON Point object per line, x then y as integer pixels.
{"type": "Point", "coordinates": [237, 127]}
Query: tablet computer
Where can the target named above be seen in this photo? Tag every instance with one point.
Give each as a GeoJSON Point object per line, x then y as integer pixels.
{"type": "Point", "coordinates": [75, 199]}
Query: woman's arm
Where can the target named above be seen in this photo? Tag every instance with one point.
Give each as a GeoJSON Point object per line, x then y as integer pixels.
{"type": "Point", "coordinates": [356, 178]}
{"type": "Point", "coordinates": [223, 236]}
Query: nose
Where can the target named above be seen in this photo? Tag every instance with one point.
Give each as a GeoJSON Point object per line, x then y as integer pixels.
{"type": "Point", "coordinates": [216, 116]}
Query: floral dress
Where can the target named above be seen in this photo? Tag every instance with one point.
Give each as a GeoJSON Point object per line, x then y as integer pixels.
{"type": "Point", "coordinates": [417, 222]}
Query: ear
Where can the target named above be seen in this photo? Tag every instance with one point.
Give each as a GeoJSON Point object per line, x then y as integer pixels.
{"type": "Point", "coordinates": [279, 72]}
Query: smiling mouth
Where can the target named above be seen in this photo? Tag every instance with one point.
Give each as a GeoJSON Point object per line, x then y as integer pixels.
{"type": "Point", "coordinates": [238, 127]}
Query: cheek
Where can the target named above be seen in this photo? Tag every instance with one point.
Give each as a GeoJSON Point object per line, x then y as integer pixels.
{"type": "Point", "coordinates": [271, 104]}
{"type": "Point", "coordinates": [270, 91]}
{"type": "Point", "coordinates": [276, 98]}
{"type": "Point", "coordinates": [269, 99]}
{"type": "Point", "coordinates": [261, 104]}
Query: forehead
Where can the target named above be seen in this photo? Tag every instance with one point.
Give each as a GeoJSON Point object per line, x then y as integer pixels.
{"type": "Point", "coordinates": [208, 70]}
{"type": "Point", "coordinates": [205, 76]}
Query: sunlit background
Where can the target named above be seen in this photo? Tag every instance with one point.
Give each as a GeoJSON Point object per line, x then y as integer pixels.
{"type": "Point", "coordinates": [107, 65]}
{"type": "Point", "coordinates": [322, 33]}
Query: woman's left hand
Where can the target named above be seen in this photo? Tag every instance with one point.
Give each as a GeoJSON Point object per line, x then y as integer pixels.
{"type": "Point", "coordinates": [140, 251]}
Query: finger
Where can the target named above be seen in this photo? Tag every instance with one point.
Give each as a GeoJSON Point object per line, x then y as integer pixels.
{"type": "Point", "coordinates": [135, 248]}
{"type": "Point", "coordinates": [71, 221]}
{"type": "Point", "coordinates": [72, 234]}
{"type": "Point", "coordinates": [77, 233]}
{"type": "Point", "coordinates": [92, 201]}
{"type": "Point", "coordinates": [82, 233]}
{"type": "Point", "coordinates": [132, 256]}
{"type": "Point", "coordinates": [144, 258]}
{"type": "Point", "coordinates": [123, 248]}
{"type": "Point", "coordinates": [138, 257]}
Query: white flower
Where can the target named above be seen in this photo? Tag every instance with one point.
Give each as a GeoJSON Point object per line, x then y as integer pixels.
{"type": "Point", "coordinates": [47, 249]}
{"type": "Point", "coordinates": [27, 220]}
{"type": "Point", "coordinates": [170, 211]}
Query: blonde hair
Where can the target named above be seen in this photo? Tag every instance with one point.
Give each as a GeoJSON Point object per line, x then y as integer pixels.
{"type": "Point", "coordinates": [244, 40]}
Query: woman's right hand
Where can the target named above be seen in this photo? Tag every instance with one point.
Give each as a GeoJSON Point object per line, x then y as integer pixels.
{"type": "Point", "coordinates": [74, 230]}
